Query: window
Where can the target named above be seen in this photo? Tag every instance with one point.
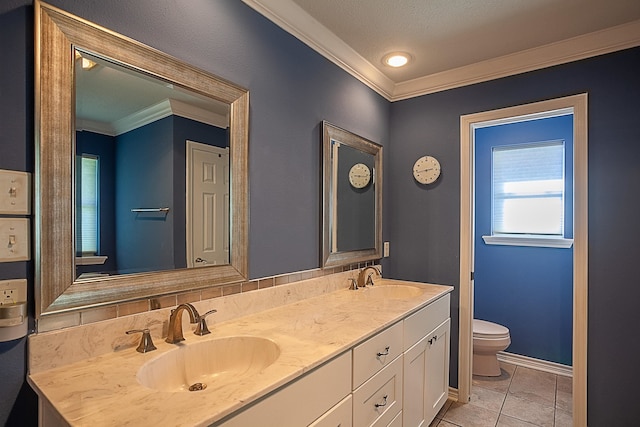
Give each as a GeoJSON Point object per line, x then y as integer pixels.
{"type": "Point", "coordinates": [528, 193]}
{"type": "Point", "coordinates": [87, 205]}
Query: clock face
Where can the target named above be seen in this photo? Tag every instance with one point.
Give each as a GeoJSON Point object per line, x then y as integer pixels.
{"type": "Point", "coordinates": [359, 175]}
{"type": "Point", "coordinates": [426, 169]}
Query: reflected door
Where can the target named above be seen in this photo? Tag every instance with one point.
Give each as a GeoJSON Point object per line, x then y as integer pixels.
{"type": "Point", "coordinates": [207, 205]}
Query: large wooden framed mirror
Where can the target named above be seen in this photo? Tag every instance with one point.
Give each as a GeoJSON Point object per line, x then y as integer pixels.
{"type": "Point", "coordinates": [351, 197]}
{"type": "Point", "coordinates": [63, 43]}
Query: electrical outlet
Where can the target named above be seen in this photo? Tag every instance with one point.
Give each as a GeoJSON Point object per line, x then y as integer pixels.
{"type": "Point", "coordinates": [13, 291]}
{"type": "Point", "coordinates": [386, 249]}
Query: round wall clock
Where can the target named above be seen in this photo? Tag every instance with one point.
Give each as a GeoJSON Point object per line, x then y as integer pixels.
{"type": "Point", "coordinates": [426, 169]}
{"type": "Point", "coordinates": [359, 175]}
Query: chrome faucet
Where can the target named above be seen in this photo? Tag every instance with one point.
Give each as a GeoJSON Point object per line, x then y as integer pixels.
{"type": "Point", "coordinates": [369, 281]}
{"type": "Point", "coordinates": [175, 322]}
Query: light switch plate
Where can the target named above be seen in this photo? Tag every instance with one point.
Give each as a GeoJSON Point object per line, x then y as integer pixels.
{"type": "Point", "coordinates": [14, 239]}
{"type": "Point", "coordinates": [15, 192]}
{"type": "Point", "coordinates": [386, 250]}
{"type": "Point", "coordinates": [13, 291]}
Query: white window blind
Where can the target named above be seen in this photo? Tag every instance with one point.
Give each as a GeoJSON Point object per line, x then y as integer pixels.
{"type": "Point", "coordinates": [87, 215]}
{"type": "Point", "coordinates": [528, 189]}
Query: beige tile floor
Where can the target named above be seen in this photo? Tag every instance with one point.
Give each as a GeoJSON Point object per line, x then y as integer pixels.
{"type": "Point", "coordinates": [520, 397]}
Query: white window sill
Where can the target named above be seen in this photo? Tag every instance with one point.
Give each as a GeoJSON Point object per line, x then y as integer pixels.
{"type": "Point", "coordinates": [91, 260]}
{"type": "Point", "coordinates": [524, 240]}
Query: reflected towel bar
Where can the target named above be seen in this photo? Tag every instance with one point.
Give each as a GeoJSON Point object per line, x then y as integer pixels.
{"type": "Point", "coordinates": [150, 210]}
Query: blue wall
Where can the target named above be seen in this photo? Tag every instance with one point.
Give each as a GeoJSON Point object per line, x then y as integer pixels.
{"type": "Point", "coordinates": [424, 223]}
{"type": "Point", "coordinates": [18, 404]}
{"type": "Point", "coordinates": [527, 289]}
{"type": "Point", "coordinates": [144, 179]}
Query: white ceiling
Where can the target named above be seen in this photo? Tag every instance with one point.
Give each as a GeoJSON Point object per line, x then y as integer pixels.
{"type": "Point", "coordinates": [454, 42]}
{"type": "Point", "coordinates": [112, 99]}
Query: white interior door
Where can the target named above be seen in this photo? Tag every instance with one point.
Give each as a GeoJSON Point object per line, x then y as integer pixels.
{"type": "Point", "coordinates": [207, 205]}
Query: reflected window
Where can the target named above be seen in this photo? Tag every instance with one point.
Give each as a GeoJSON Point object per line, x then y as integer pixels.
{"type": "Point", "coordinates": [87, 220]}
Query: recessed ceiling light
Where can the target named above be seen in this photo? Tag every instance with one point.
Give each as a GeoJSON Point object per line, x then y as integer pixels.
{"type": "Point", "coordinates": [396, 59]}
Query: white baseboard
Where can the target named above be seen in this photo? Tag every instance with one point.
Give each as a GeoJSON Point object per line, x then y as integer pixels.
{"type": "Point", "coordinates": [453, 394]}
{"type": "Point", "coordinates": [530, 362]}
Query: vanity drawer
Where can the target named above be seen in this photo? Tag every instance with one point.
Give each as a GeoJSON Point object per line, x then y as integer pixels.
{"type": "Point", "coordinates": [366, 361]}
{"type": "Point", "coordinates": [379, 400]}
{"type": "Point", "coordinates": [425, 320]}
{"type": "Point", "coordinates": [340, 415]}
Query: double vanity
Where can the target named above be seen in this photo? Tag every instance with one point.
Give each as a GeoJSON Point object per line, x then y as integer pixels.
{"type": "Point", "coordinates": [320, 354]}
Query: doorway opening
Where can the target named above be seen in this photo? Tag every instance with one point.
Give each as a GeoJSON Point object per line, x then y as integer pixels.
{"type": "Point", "coordinates": [576, 105]}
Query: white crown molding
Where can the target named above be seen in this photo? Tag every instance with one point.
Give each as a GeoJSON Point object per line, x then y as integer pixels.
{"type": "Point", "coordinates": [189, 111]}
{"type": "Point", "coordinates": [293, 19]}
{"type": "Point", "coordinates": [586, 46]}
{"type": "Point", "coordinates": [96, 127]}
{"type": "Point", "coordinates": [143, 117]}
{"type": "Point", "coordinates": [151, 114]}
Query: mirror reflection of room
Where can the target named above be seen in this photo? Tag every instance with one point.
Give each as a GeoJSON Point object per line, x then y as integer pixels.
{"type": "Point", "coordinates": [152, 173]}
{"type": "Point", "coordinates": [354, 220]}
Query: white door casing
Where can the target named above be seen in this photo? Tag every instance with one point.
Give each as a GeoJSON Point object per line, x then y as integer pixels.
{"type": "Point", "coordinates": [207, 205]}
{"type": "Point", "coordinates": [578, 104]}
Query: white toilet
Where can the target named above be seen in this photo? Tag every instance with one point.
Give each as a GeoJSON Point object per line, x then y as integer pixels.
{"type": "Point", "coordinates": [488, 339]}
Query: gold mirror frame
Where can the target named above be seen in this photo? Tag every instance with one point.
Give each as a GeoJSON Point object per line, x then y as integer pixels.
{"type": "Point", "coordinates": [329, 257]}
{"type": "Point", "coordinates": [57, 34]}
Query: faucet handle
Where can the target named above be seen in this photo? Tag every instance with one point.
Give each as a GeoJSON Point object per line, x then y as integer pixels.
{"type": "Point", "coordinates": [146, 343]}
{"type": "Point", "coordinates": [202, 328]}
{"type": "Point", "coordinates": [354, 284]}
{"type": "Point", "coordinates": [369, 280]}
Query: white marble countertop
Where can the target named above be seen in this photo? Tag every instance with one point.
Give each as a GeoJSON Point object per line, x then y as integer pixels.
{"type": "Point", "coordinates": [104, 391]}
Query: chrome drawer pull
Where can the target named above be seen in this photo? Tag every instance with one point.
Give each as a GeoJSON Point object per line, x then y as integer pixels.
{"type": "Point", "coordinates": [384, 402]}
{"type": "Point", "coordinates": [386, 352]}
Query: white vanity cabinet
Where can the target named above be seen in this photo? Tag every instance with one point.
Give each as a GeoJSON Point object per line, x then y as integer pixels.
{"type": "Point", "coordinates": [426, 363]}
{"type": "Point", "coordinates": [398, 377]}
{"type": "Point", "coordinates": [303, 401]}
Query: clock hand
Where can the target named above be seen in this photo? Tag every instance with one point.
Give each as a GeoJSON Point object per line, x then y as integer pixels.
{"type": "Point", "coordinates": [425, 170]}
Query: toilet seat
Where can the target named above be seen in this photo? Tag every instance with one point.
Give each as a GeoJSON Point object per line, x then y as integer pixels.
{"type": "Point", "coordinates": [488, 330]}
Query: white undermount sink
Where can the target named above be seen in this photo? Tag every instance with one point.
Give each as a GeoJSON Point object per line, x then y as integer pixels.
{"type": "Point", "coordinates": [390, 289]}
{"type": "Point", "coordinates": [216, 362]}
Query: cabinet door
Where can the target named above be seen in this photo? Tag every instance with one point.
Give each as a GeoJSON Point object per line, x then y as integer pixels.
{"type": "Point", "coordinates": [340, 415]}
{"type": "Point", "coordinates": [301, 402]}
{"type": "Point", "coordinates": [426, 377]}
